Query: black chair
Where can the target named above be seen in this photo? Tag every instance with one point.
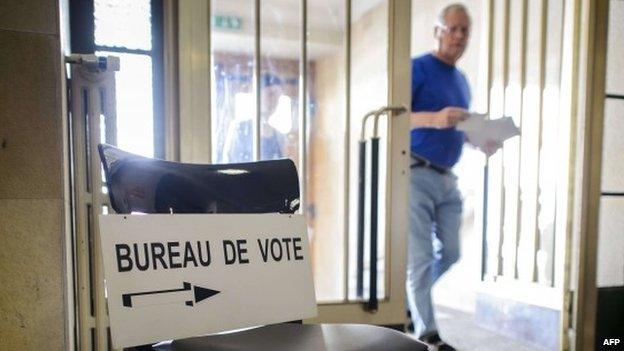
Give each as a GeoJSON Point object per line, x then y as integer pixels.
{"type": "Point", "coordinates": [139, 184]}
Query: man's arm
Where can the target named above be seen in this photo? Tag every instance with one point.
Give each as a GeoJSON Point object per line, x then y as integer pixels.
{"type": "Point", "coordinates": [445, 118]}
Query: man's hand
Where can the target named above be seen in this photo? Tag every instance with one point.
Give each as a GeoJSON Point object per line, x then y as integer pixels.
{"type": "Point", "coordinates": [491, 146]}
{"type": "Point", "coordinates": [449, 117]}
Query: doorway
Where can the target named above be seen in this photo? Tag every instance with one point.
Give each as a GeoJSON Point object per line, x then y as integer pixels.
{"type": "Point", "coordinates": [510, 284]}
{"type": "Point", "coordinates": [294, 79]}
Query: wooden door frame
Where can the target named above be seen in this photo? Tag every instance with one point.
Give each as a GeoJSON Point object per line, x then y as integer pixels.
{"type": "Point", "coordinates": [591, 23]}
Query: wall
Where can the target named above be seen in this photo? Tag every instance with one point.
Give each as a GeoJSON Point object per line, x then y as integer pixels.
{"type": "Point", "coordinates": [610, 274]}
{"type": "Point", "coordinates": [32, 187]}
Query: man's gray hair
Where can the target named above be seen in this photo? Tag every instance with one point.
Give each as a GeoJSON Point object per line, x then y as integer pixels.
{"type": "Point", "coordinates": [449, 8]}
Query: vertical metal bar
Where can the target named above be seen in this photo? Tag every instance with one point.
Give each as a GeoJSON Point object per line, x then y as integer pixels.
{"type": "Point", "coordinates": [558, 7]}
{"type": "Point", "coordinates": [372, 299]}
{"type": "Point", "coordinates": [303, 109]}
{"type": "Point", "coordinates": [566, 165]}
{"type": "Point", "coordinates": [347, 138]}
{"type": "Point", "coordinates": [501, 75]}
{"type": "Point", "coordinates": [521, 74]}
{"type": "Point", "coordinates": [171, 81]}
{"type": "Point", "coordinates": [360, 217]}
{"type": "Point", "coordinates": [79, 108]}
{"type": "Point", "coordinates": [542, 77]}
{"type": "Point", "coordinates": [256, 76]}
{"type": "Point", "coordinates": [101, 317]}
{"type": "Point", "coordinates": [156, 11]}
{"type": "Point", "coordinates": [386, 202]}
{"type": "Point", "coordinates": [505, 77]}
{"type": "Point", "coordinates": [505, 74]}
{"type": "Point", "coordinates": [209, 82]}
{"type": "Point", "coordinates": [484, 241]}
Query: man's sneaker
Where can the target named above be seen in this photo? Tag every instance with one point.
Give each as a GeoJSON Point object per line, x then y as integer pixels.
{"type": "Point", "coordinates": [432, 338]}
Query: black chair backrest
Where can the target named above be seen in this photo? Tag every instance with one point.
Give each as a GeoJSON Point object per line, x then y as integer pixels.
{"type": "Point", "coordinates": [146, 185]}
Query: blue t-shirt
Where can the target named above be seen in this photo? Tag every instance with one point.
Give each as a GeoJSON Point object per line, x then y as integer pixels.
{"type": "Point", "coordinates": [436, 85]}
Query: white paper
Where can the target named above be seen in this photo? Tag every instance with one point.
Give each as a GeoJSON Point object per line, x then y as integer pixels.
{"type": "Point", "coordinates": [168, 299]}
{"type": "Point", "coordinates": [481, 131]}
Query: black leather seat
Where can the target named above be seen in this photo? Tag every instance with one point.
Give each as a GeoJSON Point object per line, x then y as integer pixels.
{"type": "Point", "coordinates": [139, 184]}
{"type": "Point", "coordinates": [304, 337]}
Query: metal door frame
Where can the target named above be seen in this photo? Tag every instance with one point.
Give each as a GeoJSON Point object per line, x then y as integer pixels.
{"type": "Point", "coordinates": [194, 67]}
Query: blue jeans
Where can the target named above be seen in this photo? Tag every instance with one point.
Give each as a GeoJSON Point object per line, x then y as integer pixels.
{"type": "Point", "coordinates": [435, 207]}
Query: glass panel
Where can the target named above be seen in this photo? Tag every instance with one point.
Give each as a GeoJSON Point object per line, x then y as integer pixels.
{"type": "Point", "coordinates": [495, 163]}
{"type": "Point", "coordinates": [123, 23]}
{"type": "Point", "coordinates": [135, 115]}
{"type": "Point", "coordinates": [548, 152]}
{"type": "Point", "coordinates": [529, 145]}
{"type": "Point", "coordinates": [511, 153]}
{"type": "Point", "coordinates": [233, 104]}
{"type": "Point", "coordinates": [280, 55]}
{"type": "Point", "coordinates": [326, 155]}
{"type": "Point", "coordinates": [369, 91]}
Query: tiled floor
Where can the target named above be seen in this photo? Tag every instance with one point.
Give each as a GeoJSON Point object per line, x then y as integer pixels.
{"type": "Point", "coordinates": [459, 330]}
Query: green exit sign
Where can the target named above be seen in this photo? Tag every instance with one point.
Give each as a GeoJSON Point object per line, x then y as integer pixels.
{"type": "Point", "coordinates": [227, 22]}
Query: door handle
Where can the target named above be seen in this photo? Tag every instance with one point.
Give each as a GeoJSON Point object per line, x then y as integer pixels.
{"type": "Point", "coordinates": [372, 304]}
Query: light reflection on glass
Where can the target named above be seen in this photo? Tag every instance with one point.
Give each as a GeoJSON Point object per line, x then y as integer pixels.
{"type": "Point", "coordinates": [552, 126]}
{"type": "Point", "coordinates": [494, 191]}
{"type": "Point", "coordinates": [528, 182]}
{"type": "Point", "coordinates": [547, 185]}
{"type": "Point", "coordinates": [511, 169]}
{"type": "Point", "coordinates": [280, 56]}
{"type": "Point", "coordinates": [233, 103]}
{"type": "Point", "coordinates": [135, 116]}
{"type": "Point", "coordinates": [120, 23]}
{"type": "Point", "coordinates": [326, 145]}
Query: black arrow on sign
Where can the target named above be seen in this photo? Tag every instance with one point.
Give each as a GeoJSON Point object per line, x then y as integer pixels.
{"type": "Point", "coordinates": [199, 293]}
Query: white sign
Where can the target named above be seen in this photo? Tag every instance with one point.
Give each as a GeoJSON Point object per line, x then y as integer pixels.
{"type": "Point", "coordinates": [177, 276]}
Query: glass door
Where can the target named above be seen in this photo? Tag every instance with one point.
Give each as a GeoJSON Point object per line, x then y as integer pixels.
{"type": "Point", "coordinates": [377, 74]}
{"type": "Point", "coordinates": [293, 79]}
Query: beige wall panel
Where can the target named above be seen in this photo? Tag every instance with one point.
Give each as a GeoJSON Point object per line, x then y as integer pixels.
{"type": "Point", "coordinates": [31, 300]}
{"type": "Point", "coordinates": [611, 242]}
{"type": "Point", "coordinates": [30, 16]}
{"type": "Point", "coordinates": [615, 48]}
{"type": "Point", "coordinates": [30, 123]}
{"type": "Point", "coordinates": [613, 147]}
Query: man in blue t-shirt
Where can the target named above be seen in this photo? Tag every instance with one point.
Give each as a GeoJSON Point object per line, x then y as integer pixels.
{"type": "Point", "coordinates": [440, 99]}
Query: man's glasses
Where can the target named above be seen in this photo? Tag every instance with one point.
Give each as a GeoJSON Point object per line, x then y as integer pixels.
{"type": "Point", "coordinates": [446, 30]}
